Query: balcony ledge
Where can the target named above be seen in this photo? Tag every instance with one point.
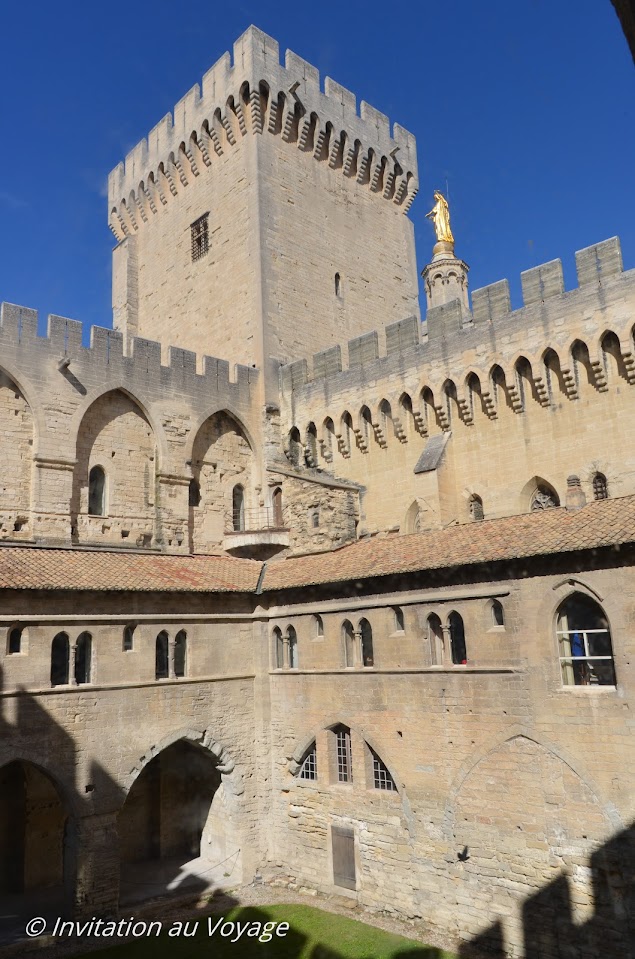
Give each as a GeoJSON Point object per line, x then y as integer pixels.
{"type": "Point", "coordinates": [251, 542]}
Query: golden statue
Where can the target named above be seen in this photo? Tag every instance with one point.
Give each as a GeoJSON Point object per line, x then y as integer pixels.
{"type": "Point", "coordinates": [440, 216]}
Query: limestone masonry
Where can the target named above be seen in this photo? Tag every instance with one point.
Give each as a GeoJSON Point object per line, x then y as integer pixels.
{"type": "Point", "coordinates": [296, 588]}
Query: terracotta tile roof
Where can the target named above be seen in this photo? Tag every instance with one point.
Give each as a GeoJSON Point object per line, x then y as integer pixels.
{"type": "Point", "coordinates": [604, 523]}
{"type": "Point", "coordinates": [33, 568]}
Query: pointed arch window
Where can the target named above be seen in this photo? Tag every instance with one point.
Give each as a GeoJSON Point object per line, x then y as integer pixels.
{"type": "Point", "coordinates": [14, 640]}
{"type": "Point", "coordinates": [319, 627]}
{"type": "Point", "coordinates": [308, 769]}
{"type": "Point", "coordinates": [128, 638]}
{"type": "Point", "coordinates": [343, 755]}
{"type": "Point", "coordinates": [276, 502]}
{"type": "Point", "coordinates": [60, 660]}
{"type": "Point", "coordinates": [278, 643]}
{"type": "Point", "coordinates": [382, 778]}
{"type": "Point", "coordinates": [83, 657]}
{"type": "Point", "coordinates": [399, 622]}
{"type": "Point", "coordinates": [97, 491]}
{"type": "Point", "coordinates": [457, 639]}
{"type": "Point", "coordinates": [292, 640]}
{"type": "Point", "coordinates": [180, 654]}
{"type": "Point", "coordinates": [584, 641]}
{"type": "Point", "coordinates": [365, 629]}
{"type": "Point", "coordinates": [435, 639]}
{"type": "Point", "coordinates": [498, 615]}
{"type": "Point", "coordinates": [161, 662]}
{"type": "Point", "coordinates": [476, 509]}
{"type": "Point", "coordinates": [600, 487]}
{"type": "Point", "coordinates": [238, 508]}
{"type": "Point", "coordinates": [348, 636]}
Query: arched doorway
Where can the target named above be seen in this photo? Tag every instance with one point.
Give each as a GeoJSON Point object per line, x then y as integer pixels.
{"type": "Point", "coordinates": [33, 823]}
{"type": "Point", "coordinates": [174, 833]}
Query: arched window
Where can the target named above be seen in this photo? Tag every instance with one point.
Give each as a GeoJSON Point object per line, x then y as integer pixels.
{"type": "Point", "coordinates": [343, 754]}
{"type": "Point", "coordinates": [498, 616]}
{"type": "Point", "coordinates": [349, 643]}
{"type": "Point", "coordinates": [457, 639]}
{"type": "Point", "coordinates": [278, 643]}
{"type": "Point", "coordinates": [399, 624]}
{"type": "Point", "coordinates": [194, 493]}
{"type": "Point", "coordinates": [238, 507]}
{"type": "Point", "coordinates": [476, 509]}
{"type": "Point", "coordinates": [381, 774]}
{"type": "Point", "coordinates": [180, 653]}
{"type": "Point", "coordinates": [294, 453]}
{"type": "Point", "coordinates": [161, 665]}
{"type": "Point", "coordinates": [14, 640]}
{"type": "Point", "coordinates": [435, 639]}
{"type": "Point", "coordinates": [276, 502]}
{"type": "Point", "coordinates": [584, 641]}
{"type": "Point", "coordinates": [319, 627]}
{"type": "Point", "coordinates": [600, 487]}
{"type": "Point", "coordinates": [328, 433]}
{"type": "Point", "coordinates": [128, 638]}
{"type": "Point", "coordinates": [97, 491]}
{"type": "Point", "coordinates": [292, 639]}
{"type": "Point", "coordinates": [311, 447]}
{"type": "Point", "coordinates": [367, 643]}
{"type": "Point", "coordinates": [60, 658]}
{"type": "Point", "coordinates": [83, 656]}
{"type": "Point", "coordinates": [308, 769]}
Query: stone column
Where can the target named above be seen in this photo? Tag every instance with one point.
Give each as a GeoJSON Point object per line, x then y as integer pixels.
{"type": "Point", "coordinates": [446, 650]}
{"type": "Point", "coordinates": [171, 646]}
{"type": "Point", "coordinates": [72, 678]}
{"type": "Point", "coordinates": [359, 656]}
{"type": "Point", "coordinates": [285, 652]}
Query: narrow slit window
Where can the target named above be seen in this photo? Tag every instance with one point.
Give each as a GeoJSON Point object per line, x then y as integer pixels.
{"type": "Point", "coordinates": [14, 644]}
{"type": "Point", "coordinates": [200, 237]}
{"type": "Point", "coordinates": [128, 639]}
{"type": "Point", "coordinates": [180, 653]}
{"type": "Point", "coordinates": [83, 656]}
{"type": "Point", "coordinates": [161, 669]}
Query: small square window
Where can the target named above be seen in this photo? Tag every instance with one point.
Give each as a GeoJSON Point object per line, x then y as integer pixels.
{"type": "Point", "coordinates": [200, 237]}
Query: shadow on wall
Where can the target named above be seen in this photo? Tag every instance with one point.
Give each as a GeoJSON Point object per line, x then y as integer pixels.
{"type": "Point", "coordinates": [549, 930]}
{"type": "Point", "coordinates": [64, 824]}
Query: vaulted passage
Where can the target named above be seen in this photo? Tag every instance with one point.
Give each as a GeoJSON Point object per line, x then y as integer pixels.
{"type": "Point", "coordinates": [171, 834]}
{"type": "Point", "coordinates": [32, 829]}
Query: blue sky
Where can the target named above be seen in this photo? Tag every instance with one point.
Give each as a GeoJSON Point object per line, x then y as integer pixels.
{"type": "Point", "coordinates": [527, 108]}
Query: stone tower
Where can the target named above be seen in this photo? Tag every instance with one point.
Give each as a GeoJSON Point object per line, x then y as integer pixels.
{"type": "Point", "coordinates": [265, 218]}
{"type": "Point", "coordinates": [445, 278]}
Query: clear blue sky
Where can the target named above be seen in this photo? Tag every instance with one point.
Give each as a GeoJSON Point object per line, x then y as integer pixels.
{"type": "Point", "coordinates": [527, 107]}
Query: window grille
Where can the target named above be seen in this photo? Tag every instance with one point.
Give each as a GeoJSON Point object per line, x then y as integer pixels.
{"type": "Point", "coordinates": [476, 509]}
{"type": "Point", "coordinates": [200, 237]}
{"type": "Point", "coordinates": [381, 776]}
{"type": "Point", "coordinates": [600, 487]}
{"type": "Point", "coordinates": [308, 769]}
{"type": "Point", "coordinates": [344, 756]}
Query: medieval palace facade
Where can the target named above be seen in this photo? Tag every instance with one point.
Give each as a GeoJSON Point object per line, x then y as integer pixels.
{"type": "Point", "coordinates": [296, 586]}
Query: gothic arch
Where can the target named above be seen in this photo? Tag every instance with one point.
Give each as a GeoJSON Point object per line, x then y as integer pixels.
{"type": "Point", "coordinates": [208, 414]}
{"type": "Point", "coordinates": [496, 742]}
{"type": "Point", "coordinates": [144, 407]}
{"type": "Point", "coordinates": [28, 391]}
{"type": "Point", "coordinates": [203, 739]}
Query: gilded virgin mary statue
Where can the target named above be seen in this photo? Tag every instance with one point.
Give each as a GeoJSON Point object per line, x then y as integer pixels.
{"type": "Point", "coordinates": [440, 216]}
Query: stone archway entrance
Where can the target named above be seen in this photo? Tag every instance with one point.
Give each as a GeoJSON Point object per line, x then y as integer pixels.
{"type": "Point", "coordinates": [174, 835]}
{"type": "Point", "coordinates": [33, 824]}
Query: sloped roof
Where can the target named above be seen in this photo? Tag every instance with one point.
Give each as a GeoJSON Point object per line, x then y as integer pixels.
{"type": "Point", "coordinates": [77, 569]}
{"type": "Point", "coordinates": [544, 532]}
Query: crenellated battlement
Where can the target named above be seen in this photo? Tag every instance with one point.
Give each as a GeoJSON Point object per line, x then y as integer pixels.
{"type": "Point", "coordinates": [253, 92]}
{"type": "Point", "coordinates": [492, 331]}
{"type": "Point", "coordinates": [105, 360]}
